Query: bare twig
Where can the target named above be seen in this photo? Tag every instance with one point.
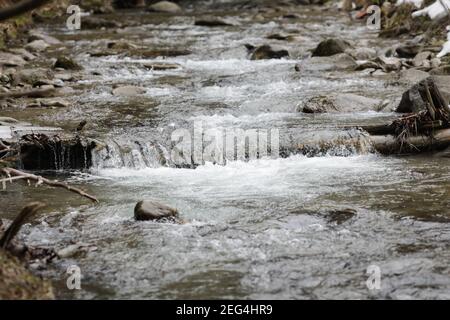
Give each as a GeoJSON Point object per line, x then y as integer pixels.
{"type": "Point", "coordinates": [17, 173]}
{"type": "Point", "coordinates": [15, 226]}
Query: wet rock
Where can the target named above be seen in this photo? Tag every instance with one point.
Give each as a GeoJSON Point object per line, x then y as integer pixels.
{"type": "Point", "coordinates": [363, 53]}
{"type": "Point", "coordinates": [11, 60]}
{"type": "Point", "coordinates": [211, 22]}
{"type": "Point", "coordinates": [342, 102]}
{"type": "Point", "coordinates": [341, 215]}
{"type": "Point", "coordinates": [159, 66]}
{"type": "Point", "coordinates": [412, 76]}
{"type": "Point", "coordinates": [341, 61]}
{"type": "Point", "coordinates": [25, 54]}
{"type": "Point", "coordinates": [165, 6]}
{"type": "Point", "coordinates": [128, 91]}
{"type": "Point", "coordinates": [35, 76]}
{"type": "Point", "coordinates": [441, 71]}
{"type": "Point", "coordinates": [162, 52]}
{"type": "Point", "coordinates": [152, 210]}
{"type": "Point", "coordinates": [408, 51]}
{"type": "Point", "coordinates": [330, 47]}
{"type": "Point", "coordinates": [412, 101]}
{"type": "Point", "coordinates": [37, 46]}
{"type": "Point", "coordinates": [54, 103]}
{"type": "Point", "coordinates": [66, 63]}
{"type": "Point", "coordinates": [389, 64]}
{"type": "Point", "coordinates": [281, 37]}
{"type": "Point", "coordinates": [98, 23]}
{"type": "Point", "coordinates": [121, 45]}
{"type": "Point", "coordinates": [36, 35]}
{"type": "Point", "coordinates": [420, 59]}
{"type": "Point", "coordinates": [267, 52]}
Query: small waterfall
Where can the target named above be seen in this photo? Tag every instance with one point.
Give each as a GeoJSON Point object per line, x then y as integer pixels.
{"type": "Point", "coordinates": [115, 153]}
{"type": "Point", "coordinates": [128, 154]}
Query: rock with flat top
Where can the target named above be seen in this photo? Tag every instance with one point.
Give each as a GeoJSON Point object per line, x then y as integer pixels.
{"type": "Point", "coordinates": [128, 91]}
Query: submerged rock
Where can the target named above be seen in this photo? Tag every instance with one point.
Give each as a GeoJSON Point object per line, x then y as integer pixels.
{"type": "Point", "coordinates": [330, 47]}
{"type": "Point", "coordinates": [66, 63]}
{"type": "Point", "coordinates": [266, 52]}
{"type": "Point", "coordinates": [343, 102]}
{"type": "Point", "coordinates": [212, 22]}
{"type": "Point", "coordinates": [165, 6]}
{"type": "Point", "coordinates": [128, 91]}
{"type": "Point", "coordinates": [152, 210]}
{"type": "Point", "coordinates": [158, 66]}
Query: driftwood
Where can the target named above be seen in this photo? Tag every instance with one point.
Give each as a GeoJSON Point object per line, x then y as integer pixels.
{"type": "Point", "coordinates": [422, 131]}
{"type": "Point", "coordinates": [14, 174]}
{"type": "Point", "coordinates": [15, 226]}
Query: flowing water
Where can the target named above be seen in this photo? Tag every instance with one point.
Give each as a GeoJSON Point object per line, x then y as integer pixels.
{"type": "Point", "coordinates": [298, 225]}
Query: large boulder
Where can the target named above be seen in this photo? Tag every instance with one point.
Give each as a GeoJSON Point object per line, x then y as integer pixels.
{"type": "Point", "coordinates": [165, 6]}
{"type": "Point", "coordinates": [330, 47]}
{"type": "Point", "coordinates": [267, 52]}
{"type": "Point", "coordinates": [412, 100]}
{"type": "Point", "coordinates": [341, 102]}
{"type": "Point", "coordinates": [151, 210]}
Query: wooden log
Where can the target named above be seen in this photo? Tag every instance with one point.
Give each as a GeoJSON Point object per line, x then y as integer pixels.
{"type": "Point", "coordinates": [389, 144]}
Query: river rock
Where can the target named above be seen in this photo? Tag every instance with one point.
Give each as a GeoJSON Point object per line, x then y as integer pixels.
{"type": "Point", "coordinates": [408, 51]}
{"type": "Point", "coordinates": [412, 76]}
{"type": "Point", "coordinates": [128, 91]}
{"type": "Point", "coordinates": [363, 53]}
{"type": "Point", "coordinates": [66, 63]}
{"type": "Point", "coordinates": [98, 23]}
{"type": "Point", "coordinates": [152, 210]}
{"type": "Point", "coordinates": [341, 102]}
{"type": "Point", "coordinates": [330, 47]}
{"type": "Point", "coordinates": [36, 35]}
{"type": "Point", "coordinates": [160, 66]}
{"type": "Point", "coordinates": [412, 101]}
{"type": "Point", "coordinates": [441, 71]}
{"type": "Point", "coordinates": [11, 60]}
{"type": "Point", "coordinates": [421, 57]}
{"type": "Point", "coordinates": [165, 6]}
{"type": "Point", "coordinates": [37, 46]}
{"type": "Point", "coordinates": [35, 76]}
{"type": "Point", "coordinates": [341, 61]}
{"type": "Point", "coordinates": [211, 22]}
{"type": "Point", "coordinates": [25, 54]}
{"type": "Point", "coordinates": [267, 52]}
{"type": "Point", "coordinates": [54, 103]}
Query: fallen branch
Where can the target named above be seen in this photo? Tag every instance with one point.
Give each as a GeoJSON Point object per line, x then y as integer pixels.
{"type": "Point", "coordinates": [9, 172]}
{"type": "Point", "coordinates": [15, 226]}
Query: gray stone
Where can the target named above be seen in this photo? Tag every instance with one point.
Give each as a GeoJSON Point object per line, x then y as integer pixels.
{"type": "Point", "coordinates": [362, 53]}
{"type": "Point", "coordinates": [421, 57]}
{"type": "Point", "coordinates": [165, 6]}
{"type": "Point", "coordinates": [66, 63]}
{"type": "Point", "coordinates": [128, 91]}
{"type": "Point", "coordinates": [36, 35]}
{"type": "Point", "coordinates": [37, 46]}
{"type": "Point", "coordinates": [267, 52]}
{"type": "Point", "coordinates": [341, 102]}
{"type": "Point", "coordinates": [341, 61]}
{"type": "Point", "coordinates": [11, 60]}
{"type": "Point", "coordinates": [330, 47]}
{"type": "Point", "coordinates": [152, 210]}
